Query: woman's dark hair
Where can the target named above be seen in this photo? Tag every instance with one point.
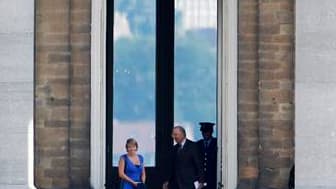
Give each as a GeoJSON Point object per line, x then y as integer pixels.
{"type": "Point", "coordinates": [131, 141]}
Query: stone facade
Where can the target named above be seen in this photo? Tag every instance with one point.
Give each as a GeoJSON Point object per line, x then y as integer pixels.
{"type": "Point", "coordinates": [16, 93]}
{"type": "Point", "coordinates": [265, 93]}
{"type": "Point", "coordinates": [315, 92]}
{"type": "Point", "coordinates": [62, 101]}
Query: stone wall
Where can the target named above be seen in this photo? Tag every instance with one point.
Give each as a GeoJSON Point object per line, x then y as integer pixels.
{"type": "Point", "coordinates": [266, 90]}
{"type": "Point", "coordinates": [248, 94]}
{"type": "Point", "coordinates": [315, 94]}
{"type": "Point", "coordinates": [62, 101]}
{"type": "Point", "coordinates": [16, 92]}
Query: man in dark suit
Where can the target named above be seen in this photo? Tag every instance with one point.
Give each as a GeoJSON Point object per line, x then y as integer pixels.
{"type": "Point", "coordinates": [208, 148]}
{"type": "Point", "coordinates": [291, 181]}
{"type": "Point", "coordinates": [186, 163]}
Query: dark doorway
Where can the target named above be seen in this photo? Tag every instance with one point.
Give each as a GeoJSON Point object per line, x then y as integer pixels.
{"type": "Point", "coordinates": [170, 50]}
{"type": "Point", "coordinates": [163, 92]}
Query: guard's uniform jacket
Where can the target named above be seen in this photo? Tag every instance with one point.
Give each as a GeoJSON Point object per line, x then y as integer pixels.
{"type": "Point", "coordinates": [209, 156]}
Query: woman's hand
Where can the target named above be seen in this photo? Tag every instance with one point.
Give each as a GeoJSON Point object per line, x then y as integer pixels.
{"type": "Point", "coordinates": [135, 184]}
{"type": "Point", "coordinates": [165, 185]}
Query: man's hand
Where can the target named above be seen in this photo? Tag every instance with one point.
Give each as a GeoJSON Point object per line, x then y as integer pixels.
{"type": "Point", "coordinates": [165, 185]}
{"type": "Point", "coordinates": [200, 186]}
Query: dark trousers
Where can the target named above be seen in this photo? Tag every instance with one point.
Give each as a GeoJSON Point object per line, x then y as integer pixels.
{"type": "Point", "coordinates": [173, 186]}
{"type": "Point", "coordinates": [210, 187]}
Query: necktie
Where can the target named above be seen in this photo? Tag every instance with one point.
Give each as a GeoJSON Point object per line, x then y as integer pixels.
{"type": "Point", "coordinates": [179, 147]}
{"type": "Point", "coordinates": [206, 143]}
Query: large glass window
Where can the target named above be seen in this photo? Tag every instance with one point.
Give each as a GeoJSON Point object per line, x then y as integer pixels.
{"type": "Point", "coordinates": [195, 69]}
{"type": "Point", "coordinates": [134, 77]}
{"type": "Point", "coordinates": [195, 65]}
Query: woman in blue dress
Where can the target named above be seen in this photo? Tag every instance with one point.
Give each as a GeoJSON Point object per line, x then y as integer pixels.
{"type": "Point", "coordinates": [131, 167]}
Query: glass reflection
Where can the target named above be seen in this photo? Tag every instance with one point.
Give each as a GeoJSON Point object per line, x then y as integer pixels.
{"type": "Point", "coordinates": [134, 77]}
{"type": "Point", "coordinates": [195, 64]}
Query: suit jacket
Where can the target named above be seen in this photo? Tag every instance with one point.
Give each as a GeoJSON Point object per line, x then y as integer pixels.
{"type": "Point", "coordinates": [209, 160]}
{"type": "Point", "coordinates": [187, 166]}
{"type": "Point", "coordinates": [291, 180]}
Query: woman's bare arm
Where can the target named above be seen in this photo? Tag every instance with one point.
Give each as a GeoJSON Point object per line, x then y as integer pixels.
{"type": "Point", "coordinates": [143, 175]}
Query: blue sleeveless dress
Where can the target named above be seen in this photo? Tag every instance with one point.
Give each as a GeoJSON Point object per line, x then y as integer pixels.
{"type": "Point", "coordinates": [132, 171]}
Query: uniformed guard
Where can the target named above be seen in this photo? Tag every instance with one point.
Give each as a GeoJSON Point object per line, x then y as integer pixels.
{"type": "Point", "coordinates": [208, 148]}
